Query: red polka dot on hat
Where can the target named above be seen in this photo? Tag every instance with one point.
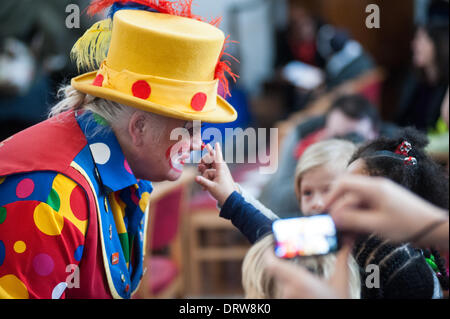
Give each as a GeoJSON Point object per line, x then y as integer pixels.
{"type": "Point", "coordinates": [199, 101]}
{"type": "Point", "coordinates": [141, 89]}
{"type": "Point", "coordinates": [98, 80]}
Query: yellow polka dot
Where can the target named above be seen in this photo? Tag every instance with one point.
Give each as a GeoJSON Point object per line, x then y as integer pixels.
{"type": "Point", "coordinates": [2, 179]}
{"type": "Point", "coordinates": [47, 220]}
{"type": "Point", "coordinates": [19, 246]}
{"type": "Point", "coordinates": [64, 187]}
{"type": "Point", "coordinates": [143, 202]}
{"type": "Point", "coordinates": [12, 287]}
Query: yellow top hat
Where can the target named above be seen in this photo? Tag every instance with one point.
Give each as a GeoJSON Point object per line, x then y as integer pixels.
{"type": "Point", "coordinates": [163, 64]}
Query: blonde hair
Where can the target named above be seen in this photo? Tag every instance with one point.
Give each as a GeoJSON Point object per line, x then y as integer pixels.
{"type": "Point", "coordinates": [330, 152]}
{"type": "Point", "coordinates": [258, 284]}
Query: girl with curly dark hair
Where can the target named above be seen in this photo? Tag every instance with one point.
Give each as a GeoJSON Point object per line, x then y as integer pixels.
{"type": "Point", "coordinates": [405, 272]}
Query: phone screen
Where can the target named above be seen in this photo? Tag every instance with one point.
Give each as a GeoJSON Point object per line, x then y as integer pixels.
{"type": "Point", "coordinates": [305, 236]}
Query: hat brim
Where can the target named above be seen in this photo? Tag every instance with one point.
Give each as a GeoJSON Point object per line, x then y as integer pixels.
{"type": "Point", "coordinates": [223, 113]}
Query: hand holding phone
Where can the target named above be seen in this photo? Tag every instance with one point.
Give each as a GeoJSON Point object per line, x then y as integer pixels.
{"type": "Point", "coordinates": [305, 236]}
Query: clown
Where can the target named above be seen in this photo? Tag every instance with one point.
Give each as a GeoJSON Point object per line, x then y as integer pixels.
{"type": "Point", "coordinates": [74, 189]}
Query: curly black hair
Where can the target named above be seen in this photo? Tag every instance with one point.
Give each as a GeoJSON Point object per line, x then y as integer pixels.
{"type": "Point", "coordinates": [427, 179]}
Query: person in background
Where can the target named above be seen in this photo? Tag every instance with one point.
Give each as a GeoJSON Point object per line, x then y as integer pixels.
{"type": "Point", "coordinates": [324, 50]}
{"type": "Point", "coordinates": [439, 137]}
{"type": "Point", "coordinates": [425, 88]}
{"type": "Point", "coordinates": [298, 42]}
{"type": "Point", "coordinates": [350, 116]}
{"type": "Point", "coordinates": [34, 58]}
{"type": "Point", "coordinates": [345, 58]}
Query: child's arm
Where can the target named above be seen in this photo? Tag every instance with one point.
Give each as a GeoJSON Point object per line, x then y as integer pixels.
{"type": "Point", "coordinates": [249, 198]}
{"type": "Point", "coordinates": [216, 178]}
{"type": "Point", "coordinates": [250, 221]}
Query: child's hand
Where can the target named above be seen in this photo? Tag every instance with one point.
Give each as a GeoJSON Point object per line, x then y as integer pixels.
{"type": "Point", "coordinates": [216, 177]}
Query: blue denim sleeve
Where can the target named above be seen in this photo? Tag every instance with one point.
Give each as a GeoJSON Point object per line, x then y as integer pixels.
{"type": "Point", "coordinates": [250, 221]}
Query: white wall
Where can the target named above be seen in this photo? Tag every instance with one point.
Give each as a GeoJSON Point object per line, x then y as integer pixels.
{"type": "Point", "coordinates": [255, 28]}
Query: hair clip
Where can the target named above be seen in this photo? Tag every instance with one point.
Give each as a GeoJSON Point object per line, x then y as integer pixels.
{"type": "Point", "coordinates": [404, 148]}
{"type": "Point", "coordinates": [410, 160]}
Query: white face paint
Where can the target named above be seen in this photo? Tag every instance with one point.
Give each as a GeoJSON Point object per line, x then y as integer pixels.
{"type": "Point", "coordinates": [180, 152]}
{"type": "Point", "coordinates": [177, 156]}
{"type": "Point", "coordinates": [158, 157]}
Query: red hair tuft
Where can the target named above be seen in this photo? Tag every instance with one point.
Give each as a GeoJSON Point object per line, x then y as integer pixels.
{"type": "Point", "coordinates": [224, 66]}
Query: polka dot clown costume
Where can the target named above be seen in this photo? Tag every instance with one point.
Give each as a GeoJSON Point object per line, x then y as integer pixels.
{"type": "Point", "coordinates": [73, 217]}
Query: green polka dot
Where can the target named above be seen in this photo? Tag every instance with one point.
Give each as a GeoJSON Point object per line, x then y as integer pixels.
{"type": "Point", "coordinates": [2, 214]}
{"type": "Point", "coordinates": [53, 200]}
{"type": "Point", "coordinates": [100, 120]}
